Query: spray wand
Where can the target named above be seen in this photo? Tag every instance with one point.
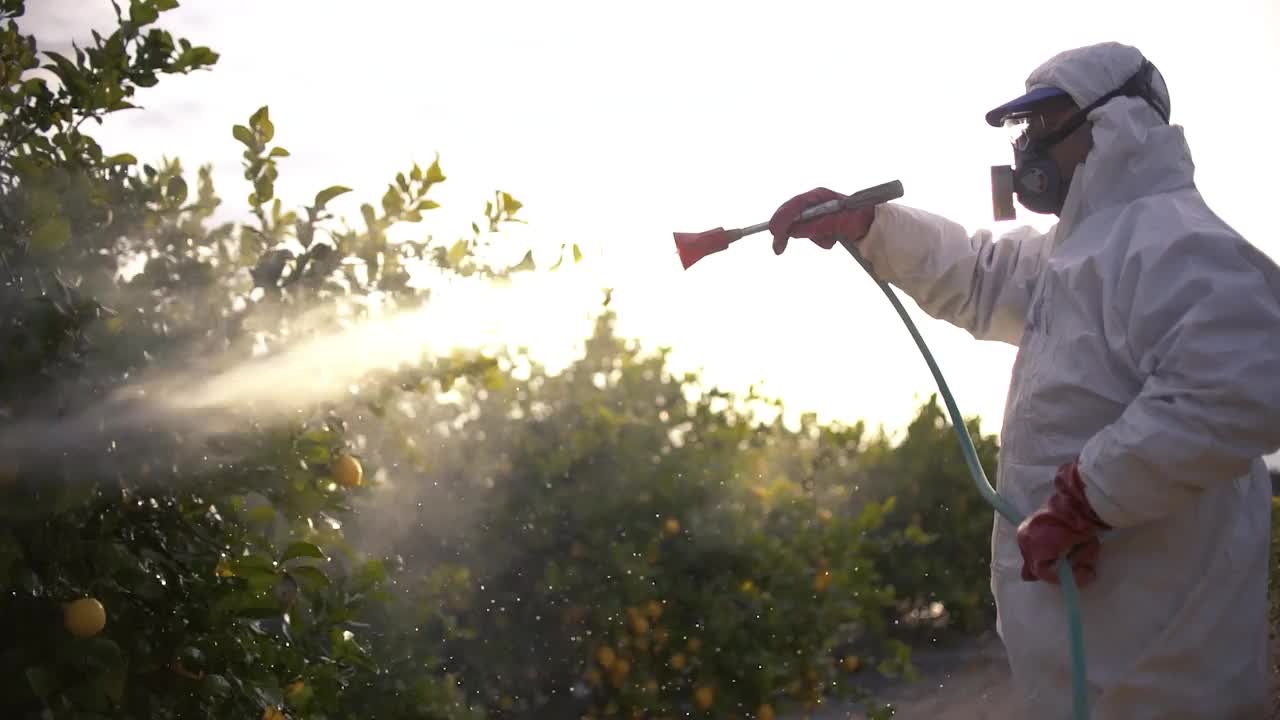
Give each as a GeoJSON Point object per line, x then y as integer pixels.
{"type": "Point", "coordinates": [692, 247]}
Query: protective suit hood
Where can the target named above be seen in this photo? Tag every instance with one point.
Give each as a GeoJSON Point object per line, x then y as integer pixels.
{"type": "Point", "coordinates": [1135, 153]}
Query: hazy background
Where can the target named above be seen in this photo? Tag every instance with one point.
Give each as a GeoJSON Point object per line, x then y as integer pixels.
{"type": "Point", "coordinates": [617, 125]}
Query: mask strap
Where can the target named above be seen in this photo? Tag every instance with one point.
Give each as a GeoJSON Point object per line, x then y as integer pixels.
{"type": "Point", "coordinates": [1138, 85]}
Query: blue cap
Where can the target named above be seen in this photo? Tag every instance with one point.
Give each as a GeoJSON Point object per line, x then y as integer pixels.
{"type": "Point", "coordinates": [996, 117]}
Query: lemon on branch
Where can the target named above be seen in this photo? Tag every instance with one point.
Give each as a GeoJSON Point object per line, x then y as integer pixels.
{"type": "Point", "coordinates": [85, 617]}
{"type": "Point", "coordinates": [348, 472]}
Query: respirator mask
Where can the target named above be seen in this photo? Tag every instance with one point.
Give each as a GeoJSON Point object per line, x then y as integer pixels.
{"type": "Point", "coordinates": [1034, 177]}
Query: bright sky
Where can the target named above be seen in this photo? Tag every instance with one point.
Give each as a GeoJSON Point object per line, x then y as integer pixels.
{"type": "Point", "coordinates": [619, 124]}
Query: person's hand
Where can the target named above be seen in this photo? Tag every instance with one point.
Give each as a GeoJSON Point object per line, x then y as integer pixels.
{"type": "Point", "coordinates": [1065, 523]}
{"type": "Point", "coordinates": [825, 231]}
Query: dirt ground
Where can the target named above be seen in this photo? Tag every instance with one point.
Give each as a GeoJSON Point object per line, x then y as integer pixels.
{"type": "Point", "coordinates": [971, 682]}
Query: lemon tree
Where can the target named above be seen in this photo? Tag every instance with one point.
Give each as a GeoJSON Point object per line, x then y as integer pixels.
{"type": "Point", "coordinates": [637, 544]}
{"type": "Point", "coordinates": [185, 565]}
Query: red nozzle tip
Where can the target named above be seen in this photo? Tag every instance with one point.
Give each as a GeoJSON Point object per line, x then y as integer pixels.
{"type": "Point", "coordinates": [692, 247]}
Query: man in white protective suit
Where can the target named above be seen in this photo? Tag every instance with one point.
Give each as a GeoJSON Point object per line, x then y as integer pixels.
{"type": "Point", "coordinates": [1145, 393]}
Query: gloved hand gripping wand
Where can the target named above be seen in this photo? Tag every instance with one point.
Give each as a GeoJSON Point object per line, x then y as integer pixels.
{"type": "Point", "coordinates": [692, 247]}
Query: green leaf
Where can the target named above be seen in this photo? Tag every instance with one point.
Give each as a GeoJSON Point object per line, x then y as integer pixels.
{"type": "Point", "coordinates": [100, 652]}
{"type": "Point", "coordinates": [329, 193]}
{"type": "Point", "coordinates": [434, 174]}
{"type": "Point", "coordinates": [263, 513]}
{"type": "Point", "coordinates": [163, 5]}
{"type": "Point", "coordinates": [176, 190]}
{"type": "Point", "coordinates": [141, 13]}
{"type": "Point", "coordinates": [215, 686]}
{"type": "Point", "coordinates": [428, 205]}
{"type": "Point", "coordinates": [10, 553]}
{"type": "Point", "coordinates": [258, 609]}
{"type": "Point", "coordinates": [111, 680]}
{"type": "Point", "coordinates": [261, 121]}
{"type": "Point", "coordinates": [457, 253]}
{"type": "Point", "coordinates": [243, 134]}
{"type": "Point", "coordinates": [51, 234]}
{"type": "Point", "coordinates": [42, 681]}
{"type": "Point", "coordinates": [526, 263]}
{"type": "Point", "coordinates": [577, 253]}
{"type": "Point", "coordinates": [263, 189]}
{"type": "Point", "coordinates": [120, 159]}
{"type": "Point", "coordinates": [510, 204]}
{"type": "Point", "coordinates": [278, 152]}
{"type": "Point", "coordinates": [256, 562]}
{"type": "Point", "coordinates": [302, 549]}
{"type": "Point", "coordinates": [310, 576]}
{"type": "Point", "coordinates": [392, 203]}
{"type": "Point", "coordinates": [373, 572]}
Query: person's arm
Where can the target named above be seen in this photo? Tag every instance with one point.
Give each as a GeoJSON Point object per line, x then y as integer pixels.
{"type": "Point", "coordinates": [978, 282]}
{"type": "Point", "coordinates": [1204, 327]}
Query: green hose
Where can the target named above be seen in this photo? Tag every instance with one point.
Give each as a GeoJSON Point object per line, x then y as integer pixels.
{"type": "Point", "coordinates": [1071, 598]}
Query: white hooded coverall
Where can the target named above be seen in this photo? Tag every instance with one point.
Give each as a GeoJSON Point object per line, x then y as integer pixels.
{"type": "Point", "coordinates": [1148, 335]}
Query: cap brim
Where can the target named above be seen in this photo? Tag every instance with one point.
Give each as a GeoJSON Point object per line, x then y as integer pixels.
{"type": "Point", "coordinates": [1022, 104]}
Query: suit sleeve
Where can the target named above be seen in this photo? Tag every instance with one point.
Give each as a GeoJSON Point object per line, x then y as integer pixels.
{"type": "Point", "coordinates": [1204, 330]}
{"type": "Point", "coordinates": [978, 282]}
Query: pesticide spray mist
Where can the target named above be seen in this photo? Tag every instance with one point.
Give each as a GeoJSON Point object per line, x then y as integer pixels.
{"type": "Point", "coordinates": [209, 396]}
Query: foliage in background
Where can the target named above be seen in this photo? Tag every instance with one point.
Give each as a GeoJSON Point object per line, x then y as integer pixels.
{"type": "Point", "coordinates": [635, 544]}
{"type": "Point", "coordinates": [940, 568]}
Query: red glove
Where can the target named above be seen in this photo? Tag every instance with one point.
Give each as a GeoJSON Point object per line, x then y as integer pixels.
{"type": "Point", "coordinates": [825, 231]}
{"type": "Point", "coordinates": [1065, 522]}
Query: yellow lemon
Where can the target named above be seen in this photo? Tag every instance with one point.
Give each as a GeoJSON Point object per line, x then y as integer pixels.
{"type": "Point", "coordinates": [639, 625]}
{"type": "Point", "coordinates": [703, 697]}
{"type": "Point", "coordinates": [618, 672]}
{"type": "Point", "coordinates": [84, 618]}
{"type": "Point", "coordinates": [822, 581]}
{"type": "Point", "coordinates": [348, 472]}
{"type": "Point", "coordinates": [653, 609]}
{"type": "Point", "coordinates": [294, 690]}
{"type": "Point", "coordinates": [660, 636]}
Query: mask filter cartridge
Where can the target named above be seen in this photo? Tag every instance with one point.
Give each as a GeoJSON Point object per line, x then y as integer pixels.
{"type": "Point", "coordinates": [1002, 193]}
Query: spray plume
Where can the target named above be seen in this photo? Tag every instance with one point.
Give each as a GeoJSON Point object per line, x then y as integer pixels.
{"type": "Point", "coordinates": [210, 396]}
